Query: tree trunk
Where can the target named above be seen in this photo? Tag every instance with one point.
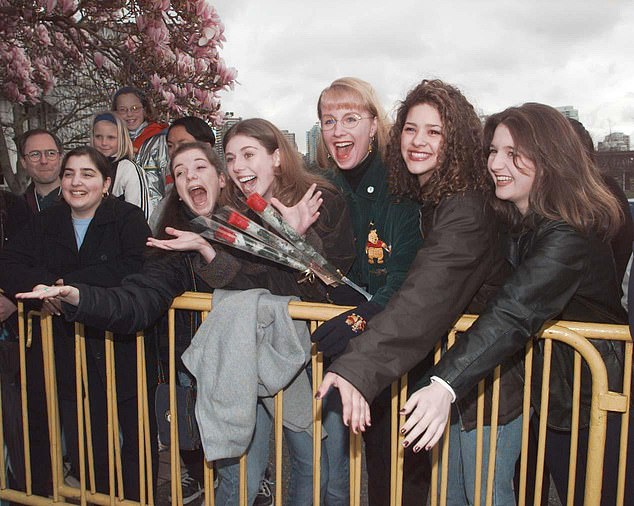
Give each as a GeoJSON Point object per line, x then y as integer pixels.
{"type": "Point", "coordinates": [19, 180]}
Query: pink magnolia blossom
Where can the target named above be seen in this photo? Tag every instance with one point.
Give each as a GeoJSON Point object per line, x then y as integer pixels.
{"type": "Point", "coordinates": [98, 58]}
{"type": "Point", "coordinates": [170, 48]}
{"type": "Point", "coordinates": [43, 36]}
{"type": "Point", "coordinates": [13, 93]}
{"type": "Point", "coordinates": [130, 44]}
{"type": "Point", "coordinates": [168, 97]}
{"type": "Point", "coordinates": [67, 6]}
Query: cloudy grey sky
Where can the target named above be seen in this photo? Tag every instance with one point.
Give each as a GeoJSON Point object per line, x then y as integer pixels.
{"type": "Point", "coordinates": [499, 53]}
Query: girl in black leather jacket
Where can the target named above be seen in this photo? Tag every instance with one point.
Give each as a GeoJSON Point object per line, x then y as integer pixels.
{"type": "Point", "coordinates": [563, 216]}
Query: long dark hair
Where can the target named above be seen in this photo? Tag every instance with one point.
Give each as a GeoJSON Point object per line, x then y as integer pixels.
{"type": "Point", "coordinates": [567, 183]}
{"type": "Point", "coordinates": [195, 127]}
{"type": "Point", "coordinates": [461, 164]}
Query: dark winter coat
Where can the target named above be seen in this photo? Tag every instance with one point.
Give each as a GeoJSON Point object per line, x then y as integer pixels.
{"type": "Point", "coordinates": [457, 270]}
{"type": "Point", "coordinates": [143, 298]}
{"type": "Point", "coordinates": [559, 274]}
{"type": "Point", "coordinates": [386, 232]}
{"type": "Point", "coordinates": [46, 251]}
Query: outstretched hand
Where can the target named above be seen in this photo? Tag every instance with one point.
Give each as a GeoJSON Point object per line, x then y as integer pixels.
{"type": "Point", "coordinates": [356, 411]}
{"type": "Point", "coordinates": [428, 410]}
{"type": "Point", "coordinates": [303, 214]}
{"type": "Point", "coordinates": [184, 241]}
{"type": "Point", "coordinates": [53, 295]}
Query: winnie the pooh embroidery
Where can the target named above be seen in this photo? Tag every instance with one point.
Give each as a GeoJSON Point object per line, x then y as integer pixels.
{"type": "Point", "coordinates": [374, 247]}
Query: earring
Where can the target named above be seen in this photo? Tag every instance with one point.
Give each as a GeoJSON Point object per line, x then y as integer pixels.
{"type": "Point", "coordinates": [370, 145]}
{"type": "Point", "coordinates": [329, 156]}
{"type": "Point", "coordinates": [105, 194]}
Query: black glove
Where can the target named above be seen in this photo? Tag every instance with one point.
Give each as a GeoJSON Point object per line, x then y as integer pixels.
{"type": "Point", "coordinates": [332, 336]}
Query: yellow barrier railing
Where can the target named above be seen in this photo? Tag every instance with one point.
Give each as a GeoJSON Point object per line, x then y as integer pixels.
{"type": "Point", "coordinates": [570, 333]}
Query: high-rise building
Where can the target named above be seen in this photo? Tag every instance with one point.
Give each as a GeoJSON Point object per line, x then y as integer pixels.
{"type": "Point", "coordinates": [569, 112]}
{"type": "Point", "coordinates": [615, 141]}
{"type": "Point", "coordinates": [312, 141]}
{"type": "Point", "coordinates": [290, 137]}
{"type": "Point", "coordinates": [229, 121]}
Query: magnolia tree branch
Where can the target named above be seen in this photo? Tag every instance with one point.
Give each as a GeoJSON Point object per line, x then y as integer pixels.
{"type": "Point", "coordinates": [74, 54]}
{"type": "Point", "coordinates": [169, 48]}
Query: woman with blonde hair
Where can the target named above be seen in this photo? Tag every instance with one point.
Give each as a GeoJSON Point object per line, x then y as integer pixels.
{"type": "Point", "coordinates": [353, 146]}
{"type": "Point", "coordinates": [111, 138]}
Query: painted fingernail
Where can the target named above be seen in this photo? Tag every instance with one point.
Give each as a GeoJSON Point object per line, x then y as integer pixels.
{"type": "Point", "coordinates": [317, 396]}
{"type": "Point", "coordinates": [405, 444]}
{"type": "Point", "coordinates": [402, 411]}
{"type": "Point", "coordinates": [416, 449]}
{"type": "Point", "coordinates": [403, 430]}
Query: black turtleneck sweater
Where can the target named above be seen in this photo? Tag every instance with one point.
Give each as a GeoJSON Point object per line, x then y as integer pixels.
{"type": "Point", "coordinates": [354, 176]}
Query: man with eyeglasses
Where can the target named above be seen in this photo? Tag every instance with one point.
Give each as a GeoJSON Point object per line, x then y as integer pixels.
{"type": "Point", "coordinates": [40, 153]}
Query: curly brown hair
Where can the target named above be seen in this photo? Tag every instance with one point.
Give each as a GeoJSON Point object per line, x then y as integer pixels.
{"type": "Point", "coordinates": [461, 163]}
{"type": "Point", "coordinates": [567, 185]}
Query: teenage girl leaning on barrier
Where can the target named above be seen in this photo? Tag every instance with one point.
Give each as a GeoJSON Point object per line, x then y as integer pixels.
{"type": "Point", "coordinates": [562, 217]}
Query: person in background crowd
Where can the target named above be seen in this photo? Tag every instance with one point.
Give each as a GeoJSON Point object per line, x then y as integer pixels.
{"type": "Point", "coordinates": [14, 214]}
{"type": "Point", "coordinates": [622, 241]}
{"type": "Point", "coordinates": [111, 138]}
{"type": "Point", "coordinates": [188, 129]}
{"type": "Point", "coordinates": [89, 237]}
{"type": "Point", "coordinates": [354, 143]}
{"type": "Point", "coordinates": [40, 152]}
{"type": "Point", "coordinates": [182, 131]}
{"type": "Point", "coordinates": [148, 138]}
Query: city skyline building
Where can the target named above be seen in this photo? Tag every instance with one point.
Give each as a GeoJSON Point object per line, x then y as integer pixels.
{"type": "Point", "coordinates": [312, 142]}
{"type": "Point", "coordinates": [615, 141]}
{"type": "Point", "coordinates": [290, 137]}
{"type": "Point", "coordinates": [230, 119]}
{"type": "Point", "coordinates": [569, 111]}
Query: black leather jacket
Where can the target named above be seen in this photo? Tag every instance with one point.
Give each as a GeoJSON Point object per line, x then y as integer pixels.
{"type": "Point", "coordinates": [559, 274]}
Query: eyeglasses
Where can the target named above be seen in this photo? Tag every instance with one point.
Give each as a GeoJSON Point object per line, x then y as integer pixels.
{"type": "Point", "coordinates": [132, 108]}
{"type": "Point", "coordinates": [50, 154]}
{"type": "Point", "coordinates": [349, 121]}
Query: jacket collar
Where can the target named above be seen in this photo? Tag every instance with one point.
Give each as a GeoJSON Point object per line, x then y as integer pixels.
{"type": "Point", "coordinates": [61, 217]}
{"type": "Point", "coordinates": [373, 185]}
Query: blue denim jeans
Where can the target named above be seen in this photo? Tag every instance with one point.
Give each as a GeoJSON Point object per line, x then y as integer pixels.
{"type": "Point", "coordinates": [300, 447]}
{"type": "Point", "coordinates": [462, 463]}
{"type": "Point", "coordinates": [336, 447]}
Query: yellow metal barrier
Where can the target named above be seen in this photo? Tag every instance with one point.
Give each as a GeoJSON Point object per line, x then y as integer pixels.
{"type": "Point", "coordinates": [570, 333]}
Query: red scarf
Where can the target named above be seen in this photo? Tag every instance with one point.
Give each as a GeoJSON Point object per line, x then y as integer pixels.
{"type": "Point", "coordinates": [149, 131]}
